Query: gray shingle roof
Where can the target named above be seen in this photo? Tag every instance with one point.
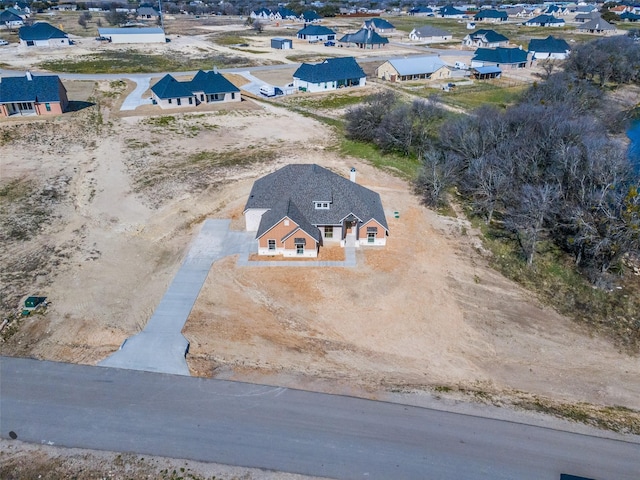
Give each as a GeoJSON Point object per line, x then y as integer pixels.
{"type": "Point", "coordinates": [429, 31]}
{"type": "Point", "coordinates": [501, 55]}
{"type": "Point", "coordinates": [364, 36]}
{"type": "Point", "coordinates": [332, 69]}
{"type": "Point", "coordinates": [40, 31]}
{"type": "Point", "coordinates": [148, 11]}
{"type": "Point", "coordinates": [549, 45]}
{"type": "Point", "coordinates": [41, 88]}
{"type": "Point", "coordinates": [597, 24]}
{"type": "Point", "coordinates": [292, 190]}
{"type": "Point", "coordinates": [417, 65]}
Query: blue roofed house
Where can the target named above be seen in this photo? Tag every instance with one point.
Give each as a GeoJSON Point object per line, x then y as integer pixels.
{"type": "Point", "coordinates": [364, 38]}
{"type": "Point", "coordinates": [10, 19]}
{"type": "Point", "coordinates": [299, 208]}
{"type": "Point", "coordinates": [310, 16]}
{"type": "Point", "coordinates": [629, 17]}
{"type": "Point", "coordinates": [421, 12]}
{"type": "Point", "coordinates": [545, 21]}
{"type": "Point", "coordinates": [485, 39]}
{"type": "Point", "coordinates": [493, 16]}
{"type": "Point", "coordinates": [331, 74]}
{"type": "Point", "coordinates": [204, 88]}
{"type": "Point", "coordinates": [500, 57]}
{"type": "Point", "coordinates": [316, 33]}
{"type": "Point", "coordinates": [413, 68]}
{"type": "Point", "coordinates": [449, 11]}
{"type": "Point", "coordinates": [379, 25]}
{"type": "Point", "coordinates": [549, 48]}
{"type": "Point", "coordinates": [32, 95]}
{"type": "Point", "coordinates": [42, 34]}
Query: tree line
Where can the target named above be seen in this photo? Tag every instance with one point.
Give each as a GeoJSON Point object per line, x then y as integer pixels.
{"type": "Point", "coordinates": [546, 168]}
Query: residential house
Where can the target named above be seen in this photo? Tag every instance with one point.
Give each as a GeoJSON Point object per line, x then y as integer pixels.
{"type": "Point", "coordinates": [364, 38]}
{"type": "Point", "coordinates": [500, 57]}
{"type": "Point", "coordinates": [493, 16]}
{"type": "Point", "coordinates": [586, 16]}
{"type": "Point", "coordinates": [300, 208]}
{"type": "Point", "coordinates": [629, 17]}
{"type": "Point", "coordinates": [429, 34]}
{"type": "Point", "coordinates": [310, 16]}
{"type": "Point", "coordinates": [485, 73]}
{"type": "Point", "coordinates": [485, 39]}
{"type": "Point", "coordinates": [413, 68]}
{"type": "Point", "coordinates": [596, 26]}
{"type": "Point", "coordinates": [147, 13]}
{"type": "Point", "coordinates": [588, 8]}
{"type": "Point", "coordinates": [316, 33]}
{"type": "Point", "coordinates": [262, 14]}
{"type": "Point", "coordinates": [544, 21]}
{"type": "Point", "coordinates": [331, 74]}
{"type": "Point", "coordinates": [422, 12]}
{"type": "Point", "coordinates": [379, 25]}
{"type": "Point", "coordinates": [517, 12]}
{"type": "Point", "coordinates": [449, 11]}
{"type": "Point", "coordinates": [10, 19]}
{"type": "Point", "coordinates": [549, 48]}
{"type": "Point", "coordinates": [556, 10]}
{"type": "Point", "coordinates": [285, 14]}
{"type": "Point", "coordinates": [205, 87]}
{"type": "Point", "coordinates": [32, 95]}
{"type": "Point", "coordinates": [42, 34]}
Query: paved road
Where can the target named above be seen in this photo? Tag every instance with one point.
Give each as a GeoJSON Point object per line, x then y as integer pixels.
{"type": "Point", "coordinates": [161, 347]}
{"type": "Point", "coordinates": [287, 430]}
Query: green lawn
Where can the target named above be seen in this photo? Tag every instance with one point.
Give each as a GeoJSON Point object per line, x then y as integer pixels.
{"type": "Point", "coordinates": [470, 97]}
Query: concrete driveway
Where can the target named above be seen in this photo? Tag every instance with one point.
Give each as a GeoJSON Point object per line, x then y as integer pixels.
{"type": "Point", "coordinates": [134, 99]}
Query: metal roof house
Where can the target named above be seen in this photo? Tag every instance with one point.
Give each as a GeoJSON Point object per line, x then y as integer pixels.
{"type": "Point", "coordinates": [413, 68]}
{"type": "Point", "coordinates": [42, 34]}
{"type": "Point", "coordinates": [133, 35]}
{"type": "Point", "coordinates": [550, 47]}
{"type": "Point", "coordinates": [10, 19]}
{"type": "Point", "coordinates": [331, 74]}
{"type": "Point", "coordinates": [429, 34]}
{"type": "Point", "coordinates": [379, 25]}
{"type": "Point", "coordinates": [485, 39]}
{"type": "Point", "coordinates": [494, 16]}
{"type": "Point", "coordinates": [316, 33]}
{"type": "Point", "coordinates": [205, 87]}
{"type": "Point", "coordinates": [544, 21]}
{"type": "Point", "coordinates": [486, 73]}
{"type": "Point", "coordinates": [32, 95]}
{"type": "Point", "coordinates": [299, 208]}
{"type": "Point", "coordinates": [500, 57]}
{"type": "Point", "coordinates": [364, 38]}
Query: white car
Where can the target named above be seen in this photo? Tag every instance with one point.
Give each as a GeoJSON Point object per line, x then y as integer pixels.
{"type": "Point", "coordinates": [3, 42]}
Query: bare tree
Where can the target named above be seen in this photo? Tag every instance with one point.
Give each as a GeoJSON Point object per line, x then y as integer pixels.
{"type": "Point", "coordinates": [439, 171]}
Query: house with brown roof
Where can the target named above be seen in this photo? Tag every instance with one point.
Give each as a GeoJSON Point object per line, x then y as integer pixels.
{"type": "Point", "coordinates": [300, 208]}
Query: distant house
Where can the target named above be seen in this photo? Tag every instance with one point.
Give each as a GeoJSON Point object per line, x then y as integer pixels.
{"type": "Point", "coordinates": [544, 21]}
{"type": "Point", "coordinates": [364, 38]}
{"type": "Point", "coordinates": [556, 10]}
{"type": "Point", "coordinates": [429, 34]}
{"type": "Point", "coordinates": [147, 13]}
{"type": "Point", "coordinates": [517, 12]}
{"type": "Point", "coordinates": [32, 95]}
{"type": "Point", "coordinates": [586, 17]}
{"type": "Point", "coordinates": [413, 68]}
{"type": "Point", "coordinates": [421, 12]}
{"type": "Point", "coordinates": [10, 19]}
{"type": "Point", "coordinates": [133, 35]}
{"type": "Point", "coordinates": [205, 87]}
{"type": "Point", "coordinates": [310, 16]}
{"type": "Point", "coordinates": [449, 11]}
{"type": "Point", "coordinates": [485, 39]}
{"type": "Point", "coordinates": [281, 43]}
{"type": "Point", "coordinates": [588, 8]}
{"type": "Point", "coordinates": [494, 16]}
{"type": "Point", "coordinates": [300, 208]}
{"type": "Point", "coordinates": [500, 57]}
{"type": "Point", "coordinates": [596, 26]}
{"type": "Point", "coordinates": [550, 47]}
{"type": "Point", "coordinates": [262, 14]}
{"type": "Point", "coordinates": [379, 25]}
{"type": "Point", "coordinates": [285, 14]}
{"type": "Point", "coordinates": [316, 33]}
{"type": "Point", "coordinates": [42, 34]}
{"type": "Point", "coordinates": [485, 73]}
{"type": "Point", "coordinates": [629, 17]}
{"type": "Point", "coordinates": [331, 74]}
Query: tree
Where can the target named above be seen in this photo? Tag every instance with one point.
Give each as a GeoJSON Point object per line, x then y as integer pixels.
{"type": "Point", "coordinates": [258, 26]}
{"type": "Point", "coordinates": [84, 18]}
{"type": "Point", "coordinates": [362, 122]}
{"type": "Point", "coordinates": [439, 170]}
{"type": "Point", "coordinates": [113, 17]}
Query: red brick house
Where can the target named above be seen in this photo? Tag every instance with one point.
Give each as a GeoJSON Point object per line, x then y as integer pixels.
{"type": "Point", "coordinates": [32, 95]}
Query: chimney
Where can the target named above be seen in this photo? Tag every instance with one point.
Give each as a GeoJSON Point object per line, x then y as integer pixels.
{"type": "Point", "coordinates": [352, 175]}
{"type": "Point", "coordinates": [29, 77]}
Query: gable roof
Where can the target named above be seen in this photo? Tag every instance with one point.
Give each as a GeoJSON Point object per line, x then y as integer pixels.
{"type": "Point", "coordinates": [148, 11]}
{"type": "Point", "coordinates": [377, 22]}
{"type": "Point", "coordinates": [40, 31]}
{"type": "Point", "coordinates": [630, 16]}
{"type": "Point", "coordinates": [501, 14]}
{"type": "Point", "coordinates": [286, 13]}
{"type": "Point", "coordinates": [332, 69]}
{"type": "Point", "coordinates": [169, 87]}
{"type": "Point", "coordinates": [310, 16]}
{"type": "Point", "coordinates": [588, 15]}
{"type": "Point", "coordinates": [415, 10]}
{"type": "Point", "coordinates": [41, 88]}
{"type": "Point", "coordinates": [451, 10]}
{"type": "Point", "coordinates": [549, 45]}
{"type": "Point", "coordinates": [364, 36]}
{"type": "Point", "coordinates": [542, 19]}
{"type": "Point", "coordinates": [315, 30]}
{"type": "Point", "coordinates": [429, 31]}
{"type": "Point", "coordinates": [417, 65]}
{"type": "Point", "coordinates": [501, 55]}
{"type": "Point", "coordinates": [597, 24]}
{"type": "Point", "coordinates": [292, 190]}
{"type": "Point", "coordinates": [210, 83]}
{"type": "Point", "coordinates": [7, 16]}
{"type": "Point", "coordinates": [489, 36]}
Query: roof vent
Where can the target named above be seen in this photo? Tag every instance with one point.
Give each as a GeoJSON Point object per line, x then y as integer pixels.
{"type": "Point", "coordinates": [29, 76]}
{"type": "Point", "coordinates": [352, 175]}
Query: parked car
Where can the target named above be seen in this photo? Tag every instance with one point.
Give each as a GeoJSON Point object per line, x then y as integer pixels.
{"type": "Point", "coordinates": [329, 44]}
{"type": "Point", "coordinates": [268, 91]}
{"type": "Point", "coordinates": [3, 42]}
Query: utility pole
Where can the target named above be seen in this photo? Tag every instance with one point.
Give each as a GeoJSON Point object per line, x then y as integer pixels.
{"type": "Point", "coordinates": [161, 16]}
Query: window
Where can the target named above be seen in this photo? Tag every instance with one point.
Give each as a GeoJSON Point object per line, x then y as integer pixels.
{"type": "Point", "coordinates": [190, 101]}
{"type": "Point", "coordinates": [299, 243]}
{"type": "Point", "coordinates": [47, 106]}
{"type": "Point", "coordinates": [272, 244]}
{"type": "Point", "coordinates": [179, 101]}
{"type": "Point", "coordinates": [328, 232]}
{"type": "Point", "coordinates": [371, 237]}
{"type": "Point", "coordinates": [233, 95]}
{"type": "Point", "coordinates": [300, 249]}
{"type": "Point", "coordinates": [322, 206]}
{"type": "Point", "coordinates": [169, 100]}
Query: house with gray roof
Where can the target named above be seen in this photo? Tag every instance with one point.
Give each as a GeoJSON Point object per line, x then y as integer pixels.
{"type": "Point", "coordinates": [204, 88]}
{"type": "Point", "coordinates": [429, 34]}
{"type": "Point", "coordinates": [586, 16]}
{"type": "Point", "coordinates": [329, 75]}
{"type": "Point", "coordinates": [485, 39]}
{"type": "Point", "coordinates": [364, 38]}
{"type": "Point", "coordinates": [298, 209]}
{"type": "Point", "coordinates": [147, 13]}
{"type": "Point", "coordinates": [379, 25]}
{"type": "Point", "coordinates": [32, 95]}
{"type": "Point", "coordinates": [597, 26]}
{"type": "Point", "coordinates": [316, 33]}
{"type": "Point", "coordinates": [500, 57]}
{"type": "Point", "coordinates": [549, 48]}
{"type": "Point", "coordinates": [413, 68]}
{"type": "Point", "coordinates": [42, 34]}
{"type": "Point", "coordinates": [491, 15]}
